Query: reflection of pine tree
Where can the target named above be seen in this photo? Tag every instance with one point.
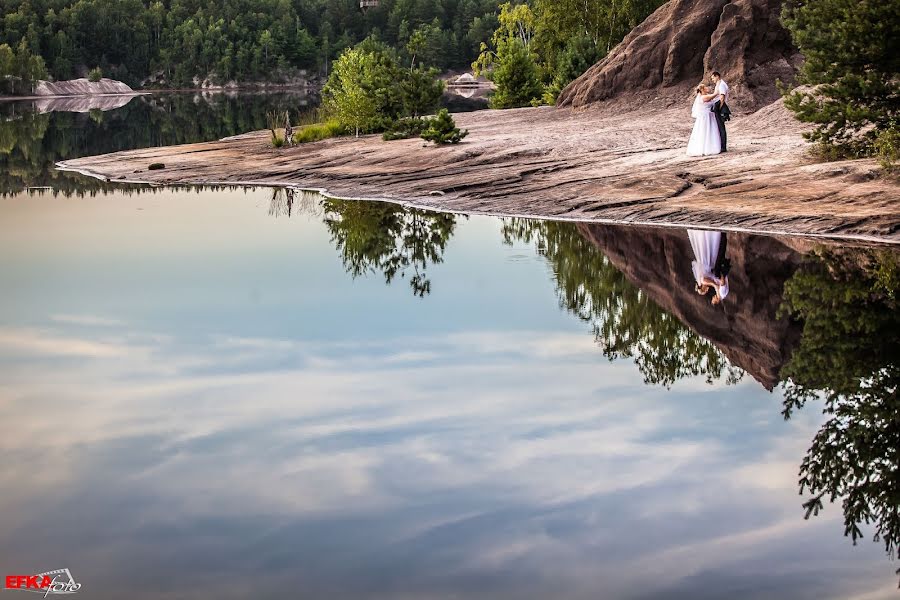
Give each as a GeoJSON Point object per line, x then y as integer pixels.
{"type": "Point", "coordinates": [625, 321]}
{"type": "Point", "coordinates": [849, 354]}
{"type": "Point", "coordinates": [387, 238]}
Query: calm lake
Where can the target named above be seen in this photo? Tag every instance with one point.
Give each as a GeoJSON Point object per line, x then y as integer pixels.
{"type": "Point", "coordinates": [234, 393]}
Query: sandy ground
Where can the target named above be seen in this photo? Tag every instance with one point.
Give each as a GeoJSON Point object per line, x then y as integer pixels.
{"type": "Point", "coordinates": [590, 165]}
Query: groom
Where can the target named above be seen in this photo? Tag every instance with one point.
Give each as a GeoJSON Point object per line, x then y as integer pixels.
{"type": "Point", "coordinates": [720, 108]}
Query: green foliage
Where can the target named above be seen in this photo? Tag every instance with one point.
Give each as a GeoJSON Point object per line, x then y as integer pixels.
{"type": "Point", "coordinates": [420, 91]}
{"type": "Point", "coordinates": [387, 238]}
{"type": "Point", "coordinates": [368, 91]}
{"type": "Point", "coordinates": [548, 43]}
{"type": "Point", "coordinates": [405, 128]}
{"type": "Point", "coordinates": [852, 57]}
{"type": "Point", "coordinates": [625, 321]}
{"type": "Point", "coordinates": [345, 97]}
{"type": "Point", "coordinates": [319, 131]}
{"type": "Point", "coordinates": [443, 130]}
{"type": "Point", "coordinates": [243, 40]}
{"type": "Point", "coordinates": [887, 148]}
{"type": "Point", "coordinates": [20, 69]}
{"type": "Point", "coordinates": [95, 75]}
{"type": "Point", "coordinates": [516, 76]}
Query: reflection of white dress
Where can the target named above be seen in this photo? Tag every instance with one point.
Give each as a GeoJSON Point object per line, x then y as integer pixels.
{"type": "Point", "coordinates": [705, 138]}
{"type": "Point", "coordinates": [706, 250]}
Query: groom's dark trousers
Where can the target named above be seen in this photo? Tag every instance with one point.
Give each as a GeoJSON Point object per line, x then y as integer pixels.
{"type": "Point", "coordinates": [717, 109]}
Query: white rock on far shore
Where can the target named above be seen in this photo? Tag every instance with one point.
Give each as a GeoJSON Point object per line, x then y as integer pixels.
{"type": "Point", "coordinates": [81, 87]}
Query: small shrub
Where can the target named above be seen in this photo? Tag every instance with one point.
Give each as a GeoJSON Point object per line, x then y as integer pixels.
{"type": "Point", "coordinates": [887, 149]}
{"type": "Point", "coordinates": [319, 131]}
{"type": "Point", "coordinates": [405, 128]}
{"type": "Point", "coordinates": [443, 130]}
{"type": "Point", "coordinates": [277, 141]}
{"type": "Point", "coordinates": [95, 75]}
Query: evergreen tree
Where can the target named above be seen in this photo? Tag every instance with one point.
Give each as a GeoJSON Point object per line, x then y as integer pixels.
{"type": "Point", "coordinates": [516, 76]}
{"type": "Point", "coordinates": [443, 130]}
{"type": "Point", "coordinates": [852, 52]}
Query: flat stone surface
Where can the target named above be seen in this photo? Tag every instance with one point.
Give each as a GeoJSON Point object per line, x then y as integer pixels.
{"type": "Point", "coordinates": [593, 165]}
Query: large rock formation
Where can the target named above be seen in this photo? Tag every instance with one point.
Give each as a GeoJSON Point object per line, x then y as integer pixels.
{"type": "Point", "coordinates": [681, 43]}
{"type": "Point", "coordinates": [82, 87]}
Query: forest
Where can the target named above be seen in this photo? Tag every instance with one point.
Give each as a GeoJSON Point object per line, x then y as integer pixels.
{"type": "Point", "coordinates": [180, 43]}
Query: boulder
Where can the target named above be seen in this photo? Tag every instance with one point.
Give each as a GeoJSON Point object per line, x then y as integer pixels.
{"type": "Point", "coordinates": [677, 47]}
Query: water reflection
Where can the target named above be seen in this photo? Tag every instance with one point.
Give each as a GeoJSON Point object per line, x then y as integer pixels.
{"type": "Point", "coordinates": [33, 141]}
{"type": "Point", "coordinates": [843, 302]}
{"type": "Point", "coordinates": [243, 418]}
{"type": "Point", "coordinates": [848, 356]}
{"type": "Point", "coordinates": [388, 239]}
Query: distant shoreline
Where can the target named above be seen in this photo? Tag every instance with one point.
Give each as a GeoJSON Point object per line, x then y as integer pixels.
{"type": "Point", "coordinates": [149, 91]}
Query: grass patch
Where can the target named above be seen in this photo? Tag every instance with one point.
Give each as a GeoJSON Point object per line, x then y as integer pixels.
{"type": "Point", "coordinates": [319, 131]}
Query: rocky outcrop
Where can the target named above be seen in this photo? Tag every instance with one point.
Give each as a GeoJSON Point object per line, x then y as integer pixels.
{"type": "Point", "coordinates": [545, 162]}
{"type": "Point", "coordinates": [746, 327]}
{"type": "Point", "coordinates": [81, 87]}
{"type": "Point", "coordinates": [677, 46]}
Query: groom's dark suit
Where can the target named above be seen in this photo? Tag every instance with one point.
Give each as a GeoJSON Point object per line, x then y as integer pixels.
{"type": "Point", "coordinates": [717, 109]}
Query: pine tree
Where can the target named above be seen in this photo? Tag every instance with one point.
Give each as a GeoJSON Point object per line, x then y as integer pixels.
{"type": "Point", "coordinates": [516, 76]}
{"type": "Point", "coordinates": [443, 130]}
{"type": "Point", "coordinates": [852, 51]}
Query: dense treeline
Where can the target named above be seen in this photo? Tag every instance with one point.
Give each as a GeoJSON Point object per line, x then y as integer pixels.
{"type": "Point", "coordinates": [241, 40]}
{"type": "Point", "coordinates": [178, 42]}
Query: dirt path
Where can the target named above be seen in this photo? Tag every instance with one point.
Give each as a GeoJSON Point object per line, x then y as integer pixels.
{"type": "Point", "coordinates": [559, 163]}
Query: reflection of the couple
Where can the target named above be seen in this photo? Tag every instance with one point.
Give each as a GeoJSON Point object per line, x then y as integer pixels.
{"type": "Point", "coordinates": [711, 264]}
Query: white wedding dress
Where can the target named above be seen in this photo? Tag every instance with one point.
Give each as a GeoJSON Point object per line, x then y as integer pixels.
{"type": "Point", "coordinates": [705, 138]}
{"type": "Point", "coordinates": [705, 245]}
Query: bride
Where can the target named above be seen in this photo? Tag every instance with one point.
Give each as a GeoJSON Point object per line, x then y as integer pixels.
{"type": "Point", "coordinates": [705, 138]}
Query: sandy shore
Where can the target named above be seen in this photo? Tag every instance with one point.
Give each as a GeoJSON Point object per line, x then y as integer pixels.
{"type": "Point", "coordinates": [590, 165]}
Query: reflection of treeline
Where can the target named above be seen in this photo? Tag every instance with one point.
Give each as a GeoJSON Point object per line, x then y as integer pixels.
{"type": "Point", "coordinates": [31, 143]}
{"type": "Point", "coordinates": [849, 355]}
{"type": "Point", "coordinates": [378, 237]}
{"type": "Point", "coordinates": [625, 321]}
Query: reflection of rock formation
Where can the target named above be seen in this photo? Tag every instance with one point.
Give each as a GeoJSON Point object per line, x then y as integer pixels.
{"type": "Point", "coordinates": [746, 329]}
{"type": "Point", "coordinates": [81, 104]}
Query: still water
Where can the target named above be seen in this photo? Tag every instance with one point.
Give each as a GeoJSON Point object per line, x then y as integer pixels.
{"type": "Point", "coordinates": [233, 393]}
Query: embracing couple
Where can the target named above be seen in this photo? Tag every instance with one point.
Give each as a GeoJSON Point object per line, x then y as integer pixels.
{"type": "Point", "coordinates": [710, 111]}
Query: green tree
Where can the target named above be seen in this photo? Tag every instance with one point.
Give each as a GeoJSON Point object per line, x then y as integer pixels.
{"type": "Point", "coordinates": [852, 57]}
{"type": "Point", "coordinates": [345, 95]}
{"type": "Point", "coordinates": [420, 91]}
{"type": "Point", "coordinates": [95, 75]}
{"type": "Point", "coordinates": [515, 75]}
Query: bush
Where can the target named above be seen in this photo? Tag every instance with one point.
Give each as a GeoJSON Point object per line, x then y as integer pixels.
{"type": "Point", "coordinates": [887, 148]}
{"type": "Point", "coordinates": [405, 128]}
{"type": "Point", "coordinates": [95, 75]}
{"type": "Point", "coordinates": [319, 131]}
{"type": "Point", "coordinates": [443, 130]}
{"type": "Point", "coordinates": [277, 141]}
